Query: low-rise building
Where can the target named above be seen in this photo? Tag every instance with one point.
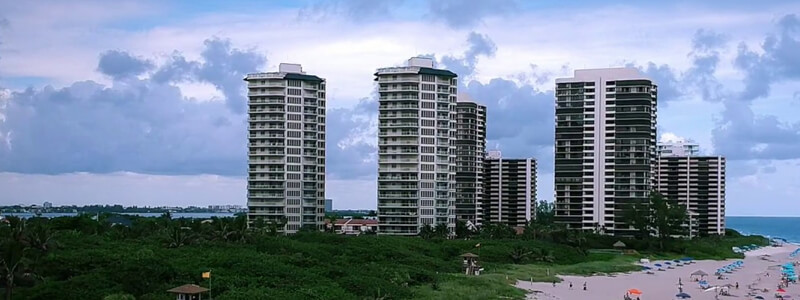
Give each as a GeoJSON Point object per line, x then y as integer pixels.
{"type": "Point", "coordinates": [353, 226]}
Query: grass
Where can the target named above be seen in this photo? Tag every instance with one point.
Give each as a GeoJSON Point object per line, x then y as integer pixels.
{"type": "Point", "coordinates": [547, 273]}
{"type": "Point", "coordinates": [459, 286]}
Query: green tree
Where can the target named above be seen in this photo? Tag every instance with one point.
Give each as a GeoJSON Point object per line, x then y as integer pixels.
{"type": "Point", "coordinates": [668, 218]}
{"type": "Point", "coordinates": [119, 297]}
{"type": "Point", "coordinates": [518, 254]}
{"type": "Point", "coordinates": [545, 213]}
{"type": "Point", "coordinates": [639, 217]}
{"type": "Point", "coordinates": [426, 232]}
{"type": "Point", "coordinates": [12, 260]}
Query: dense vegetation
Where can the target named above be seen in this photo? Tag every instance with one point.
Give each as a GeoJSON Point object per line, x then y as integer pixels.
{"type": "Point", "coordinates": [83, 258]}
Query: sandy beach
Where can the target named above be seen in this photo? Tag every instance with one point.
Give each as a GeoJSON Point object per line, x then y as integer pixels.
{"type": "Point", "coordinates": [663, 285]}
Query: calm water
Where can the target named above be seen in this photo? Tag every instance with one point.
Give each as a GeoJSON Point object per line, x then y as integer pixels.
{"type": "Point", "coordinates": [787, 228]}
{"type": "Point", "coordinates": [174, 215]}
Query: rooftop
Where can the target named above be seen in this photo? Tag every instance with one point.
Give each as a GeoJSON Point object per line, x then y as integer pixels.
{"type": "Point", "coordinates": [604, 74]}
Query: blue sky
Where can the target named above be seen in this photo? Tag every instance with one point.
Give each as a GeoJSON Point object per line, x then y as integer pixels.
{"type": "Point", "coordinates": [141, 102]}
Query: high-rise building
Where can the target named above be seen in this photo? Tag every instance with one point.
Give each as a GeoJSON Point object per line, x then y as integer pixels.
{"type": "Point", "coordinates": [678, 148]}
{"type": "Point", "coordinates": [416, 147]}
{"type": "Point", "coordinates": [286, 148]}
{"type": "Point", "coordinates": [328, 205]}
{"type": "Point", "coordinates": [470, 150]}
{"type": "Point", "coordinates": [509, 190]}
{"type": "Point", "coordinates": [698, 183]}
{"type": "Point", "coordinates": [605, 147]}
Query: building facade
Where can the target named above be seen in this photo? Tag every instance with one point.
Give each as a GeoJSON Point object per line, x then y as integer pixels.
{"type": "Point", "coordinates": [416, 147]}
{"type": "Point", "coordinates": [328, 205]}
{"type": "Point", "coordinates": [470, 150]}
{"type": "Point", "coordinates": [605, 152]}
{"type": "Point", "coordinates": [286, 148]}
{"type": "Point", "coordinates": [679, 148]}
{"type": "Point", "coordinates": [509, 190]}
{"type": "Point", "coordinates": [698, 183]}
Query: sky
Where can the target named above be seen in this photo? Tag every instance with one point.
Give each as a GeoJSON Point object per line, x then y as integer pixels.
{"type": "Point", "coordinates": [143, 103]}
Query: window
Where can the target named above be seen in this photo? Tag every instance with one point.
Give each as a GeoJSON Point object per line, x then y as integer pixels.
{"type": "Point", "coordinates": [292, 185]}
{"type": "Point", "coordinates": [426, 184]}
{"type": "Point", "coordinates": [428, 78]}
{"type": "Point", "coordinates": [293, 125]}
{"type": "Point", "coordinates": [294, 92]}
{"type": "Point", "coordinates": [428, 131]}
{"type": "Point", "coordinates": [293, 176]}
{"type": "Point", "coordinates": [428, 158]}
{"type": "Point", "coordinates": [428, 105]}
{"type": "Point", "coordinates": [293, 159]}
{"type": "Point", "coordinates": [428, 114]}
{"type": "Point", "coordinates": [295, 83]}
{"type": "Point", "coordinates": [427, 167]}
{"type": "Point", "coordinates": [294, 108]}
{"type": "Point", "coordinates": [428, 96]}
{"type": "Point", "coordinates": [294, 100]}
{"type": "Point", "coordinates": [428, 123]}
{"type": "Point", "coordinates": [293, 168]}
{"type": "Point", "coordinates": [295, 151]}
{"type": "Point", "coordinates": [428, 87]}
{"type": "Point", "coordinates": [426, 176]}
{"type": "Point", "coordinates": [295, 143]}
{"type": "Point", "coordinates": [427, 150]}
{"type": "Point", "coordinates": [426, 194]}
{"type": "Point", "coordinates": [293, 134]}
{"type": "Point", "coordinates": [294, 117]}
{"type": "Point", "coordinates": [428, 141]}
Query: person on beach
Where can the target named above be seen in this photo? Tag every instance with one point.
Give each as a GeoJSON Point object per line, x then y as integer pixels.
{"type": "Point", "coordinates": [570, 285]}
{"type": "Point", "coordinates": [554, 283]}
{"type": "Point", "coordinates": [584, 285]}
{"type": "Point", "coordinates": [737, 285]}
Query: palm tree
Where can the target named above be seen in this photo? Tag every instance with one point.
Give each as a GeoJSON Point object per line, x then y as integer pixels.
{"type": "Point", "coordinates": [543, 255]}
{"type": "Point", "coordinates": [426, 232]}
{"type": "Point", "coordinates": [11, 261]}
{"type": "Point", "coordinates": [178, 237]}
{"type": "Point", "coordinates": [518, 254]}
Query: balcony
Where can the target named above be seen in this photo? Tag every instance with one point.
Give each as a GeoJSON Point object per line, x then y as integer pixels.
{"type": "Point", "coordinates": [403, 124]}
{"type": "Point", "coordinates": [397, 178]}
{"type": "Point", "coordinates": [267, 93]}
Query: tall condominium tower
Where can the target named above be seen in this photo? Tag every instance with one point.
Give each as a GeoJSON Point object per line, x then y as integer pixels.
{"type": "Point", "coordinates": [509, 190]}
{"type": "Point", "coordinates": [698, 183]}
{"type": "Point", "coordinates": [605, 147]}
{"type": "Point", "coordinates": [470, 149]}
{"type": "Point", "coordinates": [286, 148]}
{"type": "Point", "coordinates": [679, 148]}
{"type": "Point", "coordinates": [416, 147]}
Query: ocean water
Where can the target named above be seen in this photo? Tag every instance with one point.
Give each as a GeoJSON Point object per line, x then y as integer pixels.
{"type": "Point", "coordinates": [783, 227]}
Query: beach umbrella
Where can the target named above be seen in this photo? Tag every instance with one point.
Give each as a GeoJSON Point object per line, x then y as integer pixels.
{"type": "Point", "coordinates": [658, 265]}
{"type": "Point", "coordinates": [683, 295]}
{"type": "Point", "coordinates": [634, 292]}
{"type": "Point", "coordinates": [759, 297]}
{"type": "Point", "coordinates": [781, 291]}
{"type": "Point", "coordinates": [699, 273]}
{"type": "Point", "coordinates": [646, 268]}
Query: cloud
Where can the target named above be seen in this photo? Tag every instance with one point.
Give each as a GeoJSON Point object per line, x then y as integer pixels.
{"type": "Point", "coordinates": [705, 57]}
{"type": "Point", "coordinates": [137, 125]}
{"type": "Point", "coordinates": [352, 137]}
{"type": "Point", "coordinates": [479, 45]}
{"type": "Point", "coordinates": [121, 65]}
{"type": "Point", "coordinates": [669, 137]}
{"type": "Point", "coordinates": [354, 10]}
{"type": "Point", "coordinates": [458, 14]}
{"type": "Point", "coordinates": [741, 133]}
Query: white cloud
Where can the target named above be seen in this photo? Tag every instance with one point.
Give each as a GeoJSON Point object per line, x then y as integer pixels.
{"type": "Point", "coordinates": [669, 137]}
{"type": "Point", "coordinates": [200, 91]}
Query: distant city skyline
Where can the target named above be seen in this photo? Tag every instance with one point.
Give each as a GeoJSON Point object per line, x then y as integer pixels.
{"type": "Point", "coordinates": [143, 103]}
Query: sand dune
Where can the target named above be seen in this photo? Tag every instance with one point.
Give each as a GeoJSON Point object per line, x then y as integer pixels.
{"type": "Point", "coordinates": [663, 285]}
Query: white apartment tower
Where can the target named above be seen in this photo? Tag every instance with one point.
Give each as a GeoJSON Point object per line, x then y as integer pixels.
{"type": "Point", "coordinates": [416, 147]}
{"type": "Point", "coordinates": [605, 147]}
{"type": "Point", "coordinates": [470, 152]}
{"type": "Point", "coordinates": [678, 148]}
{"type": "Point", "coordinates": [696, 182]}
{"type": "Point", "coordinates": [286, 148]}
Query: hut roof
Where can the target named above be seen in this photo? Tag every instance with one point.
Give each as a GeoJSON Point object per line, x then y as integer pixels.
{"type": "Point", "coordinates": [699, 273]}
{"type": "Point", "coordinates": [619, 244]}
{"type": "Point", "coordinates": [189, 289]}
{"type": "Point", "coordinates": [468, 255]}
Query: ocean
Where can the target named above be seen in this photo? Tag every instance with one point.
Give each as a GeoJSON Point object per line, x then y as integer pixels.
{"type": "Point", "coordinates": [782, 227]}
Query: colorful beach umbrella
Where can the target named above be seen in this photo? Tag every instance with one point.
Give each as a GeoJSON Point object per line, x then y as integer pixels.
{"type": "Point", "coordinates": [683, 296]}
{"type": "Point", "coordinates": [634, 292]}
